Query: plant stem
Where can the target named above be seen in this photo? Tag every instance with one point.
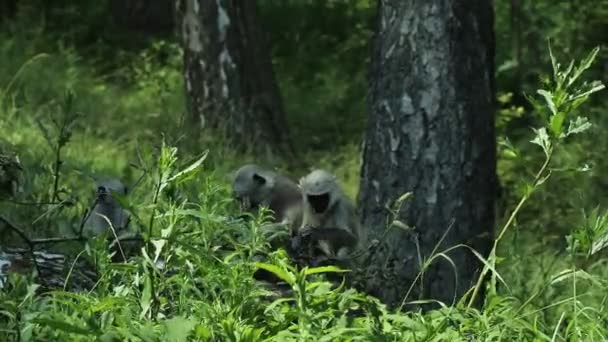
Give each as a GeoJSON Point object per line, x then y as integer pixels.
{"type": "Point", "coordinates": [154, 305]}
{"type": "Point", "coordinates": [507, 225]}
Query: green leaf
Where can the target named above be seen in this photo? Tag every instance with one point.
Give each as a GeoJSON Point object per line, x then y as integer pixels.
{"type": "Point", "coordinates": [548, 99]}
{"type": "Point", "coordinates": [579, 125]}
{"type": "Point", "coordinates": [63, 326]}
{"type": "Point", "coordinates": [599, 244]}
{"type": "Point", "coordinates": [569, 273]}
{"type": "Point", "coordinates": [324, 269]}
{"type": "Point", "coordinates": [145, 301]}
{"type": "Point", "coordinates": [593, 87]}
{"type": "Point", "coordinates": [190, 168]}
{"type": "Point", "coordinates": [285, 276]}
{"type": "Point", "coordinates": [584, 65]}
{"type": "Point", "coordinates": [556, 123]}
{"type": "Point", "coordinates": [490, 265]}
{"type": "Point", "coordinates": [554, 63]}
{"type": "Point", "coordinates": [542, 139]}
{"type": "Point", "coordinates": [179, 328]}
{"type": "Point", "coordinates": [158, 247]}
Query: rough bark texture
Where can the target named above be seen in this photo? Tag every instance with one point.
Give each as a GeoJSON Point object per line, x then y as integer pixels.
{"type": "Point", "coordinates": [229, 76]}
{"type": "Point", "coordinates": [431, 132]}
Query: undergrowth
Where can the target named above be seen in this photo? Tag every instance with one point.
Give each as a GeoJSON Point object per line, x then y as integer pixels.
{"type": "Point", "coordinates": [71, 125]}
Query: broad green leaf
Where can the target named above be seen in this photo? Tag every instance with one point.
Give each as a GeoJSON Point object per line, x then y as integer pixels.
{"type": "Point", "coordinates": [285, 276]}
{"type": "Point", "coordinates": [556, 123]}
{"type": "Point", "coordinates": [178, 328]}
{"type": "Point", "coordinates": [324, 269]}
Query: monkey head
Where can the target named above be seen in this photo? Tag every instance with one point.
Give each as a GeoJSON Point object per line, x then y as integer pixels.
{"type": "Point", "coordinates": [319, 189]}
{"type": "Point", "coordinates": [252, 186]}
{"type": "Point", "coordinates": [107, 187]}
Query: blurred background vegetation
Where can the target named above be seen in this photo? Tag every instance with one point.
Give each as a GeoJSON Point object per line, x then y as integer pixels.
{"type": "Point", "coordinates": [129, 91]}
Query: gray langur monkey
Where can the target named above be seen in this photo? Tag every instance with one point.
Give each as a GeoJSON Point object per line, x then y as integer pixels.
{"type": "Point", "coordinates": [106, 207]}
{"type": "Point", "coordinates": [254, 186]}
{"type": "Point", "coordinates": [329, 217]}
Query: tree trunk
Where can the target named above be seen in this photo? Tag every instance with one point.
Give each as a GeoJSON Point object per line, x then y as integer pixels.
{"type": "Point", "coordinates": [8, 8]}
{"type": "Point", "coordinates": [430, 132]}
{"type": "Point", "coordinates": [229, 76]}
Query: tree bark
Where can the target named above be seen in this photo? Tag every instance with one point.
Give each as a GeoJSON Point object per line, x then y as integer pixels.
{"type": "Point", "coordinates": [430, 132]}
{"type": "Point", "coordinates": [8, 8]}
{"type": "Point", "coordinates": [230, 80]}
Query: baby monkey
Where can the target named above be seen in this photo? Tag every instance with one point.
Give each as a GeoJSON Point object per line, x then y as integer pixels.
{"type": "Point", "coordinates": [329, 218]}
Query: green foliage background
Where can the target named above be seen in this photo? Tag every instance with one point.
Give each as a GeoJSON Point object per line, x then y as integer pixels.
{"type": "Point", "coordinates": [129, 98]}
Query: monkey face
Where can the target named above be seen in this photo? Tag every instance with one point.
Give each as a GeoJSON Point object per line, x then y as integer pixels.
{"type": "Point", "coordinates": [103, 194]}
{"type": "Point", "coordinates": [102, 191]}
{"type": "Point", "coordinates": [106, 188]}
{"type": "Point", "coordinates": [319, 187]}
{"type": "Point", "coordinates": [248, 190]}
{"type": "Point", "coordinates": [319, 203]}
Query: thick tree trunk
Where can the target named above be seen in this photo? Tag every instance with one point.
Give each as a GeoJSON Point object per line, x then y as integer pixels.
{"type": "Point", "coordinates": [431, 132]}
{"type": "Point", "coordinates": [229, 76]}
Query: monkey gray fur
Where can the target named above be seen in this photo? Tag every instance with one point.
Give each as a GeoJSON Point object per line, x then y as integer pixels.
{"type": "Point", "coordinates": [254, 186]}
{"type": "Point", "coordinates": [106, 206]}
{"type": "Point", "coordinates": [326, 210]}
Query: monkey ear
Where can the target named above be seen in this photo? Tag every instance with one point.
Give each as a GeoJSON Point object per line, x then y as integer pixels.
{"type": "Point", "coordinates": [259, 179]}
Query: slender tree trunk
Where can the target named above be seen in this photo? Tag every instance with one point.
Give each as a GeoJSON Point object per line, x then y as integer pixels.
{"type": "Point", "coordinates": [229, 76]}
{"type": "Point", "coordinates": [430, 132]}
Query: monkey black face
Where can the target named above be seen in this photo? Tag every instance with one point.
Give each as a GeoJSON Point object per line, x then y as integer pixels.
{"type": "Point", "coordinates": [319, 203]}
{"type": "Point", "coordinates": [104, 194]}
{"type": "Point", "coordinates": [102, 191]}
{"type": "Point", "coordinates": [246, 189]}
{"type": "Point", "coordinates": [258, 180]}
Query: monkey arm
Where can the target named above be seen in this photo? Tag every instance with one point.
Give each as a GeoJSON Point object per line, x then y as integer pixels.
{"type": "Point", "coordinates": [274, 227]}
{"type": "Point", "coordinates": [337, 237]}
